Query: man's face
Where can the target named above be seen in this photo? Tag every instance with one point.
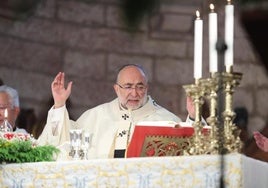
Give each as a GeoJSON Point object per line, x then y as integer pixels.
{"type": "Point", "coordinates": [12, 112]}
{"type": "Point", "coordinates": [131, 88]}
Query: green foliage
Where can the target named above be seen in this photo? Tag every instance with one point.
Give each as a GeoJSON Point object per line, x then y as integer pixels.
{"type": "Point", "coordinates": [17, 151]}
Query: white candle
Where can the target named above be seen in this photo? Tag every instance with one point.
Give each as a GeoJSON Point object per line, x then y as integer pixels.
{"type": "Point", "coordinates": [6, 113]}
{"type": "Point", "coordinates": [198, 40]}
{"type": "Point", "coordinates": [213, 34]}
{"type": "Point", "coordinates": [229, 34]}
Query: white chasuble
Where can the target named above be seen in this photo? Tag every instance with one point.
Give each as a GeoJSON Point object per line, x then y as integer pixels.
{"type": "Point", "coordinates": [108, 123]}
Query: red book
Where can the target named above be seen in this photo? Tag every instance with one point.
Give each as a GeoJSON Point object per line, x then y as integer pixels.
{"type": "Point", "coordinates": [159, 141]}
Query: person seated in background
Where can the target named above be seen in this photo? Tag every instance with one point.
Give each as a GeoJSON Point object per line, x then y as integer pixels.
{"type": "Point", "coordinates": [111, 123]}
{"type": "Point", "coordinates": [261, 141]}
{"type": "Point", "coordinates": [9, 100]}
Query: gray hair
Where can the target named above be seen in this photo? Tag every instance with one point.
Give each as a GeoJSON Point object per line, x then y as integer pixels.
{"type": "Point", "coordinates": [13, 94]}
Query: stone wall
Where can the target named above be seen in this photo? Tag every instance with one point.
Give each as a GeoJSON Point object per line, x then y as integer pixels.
{"type": "Point", "coordinates": [88, 41]}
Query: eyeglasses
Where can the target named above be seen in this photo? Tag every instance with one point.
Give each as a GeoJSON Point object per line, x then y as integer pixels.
{"type": "Point", "coordinates": [128, 88]}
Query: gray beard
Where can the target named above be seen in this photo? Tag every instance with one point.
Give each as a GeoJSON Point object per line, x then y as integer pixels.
{"type": "Point", "coordinates": [123, 107]}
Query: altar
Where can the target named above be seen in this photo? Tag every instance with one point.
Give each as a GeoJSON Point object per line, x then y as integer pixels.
{"type": "Point", "coordinates": [183, 171]}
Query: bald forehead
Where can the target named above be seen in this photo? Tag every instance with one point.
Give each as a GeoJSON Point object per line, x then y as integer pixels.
{"type": "Point", "coordinates": [129, 69]}
{"type": "Point", "coordinates": [4, 97]}
{"type": "Point", "coordinates": [131, 72]}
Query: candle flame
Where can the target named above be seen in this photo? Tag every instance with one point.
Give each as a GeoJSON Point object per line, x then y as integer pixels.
{"type": "Point", "coordinates": [6, 113]}
{"type": "Point", "coordinates": [228, 2]}
{"type": "Point", "coordinates": [197, 14]}
{"type": "Point", "coordinates": [211, 6]}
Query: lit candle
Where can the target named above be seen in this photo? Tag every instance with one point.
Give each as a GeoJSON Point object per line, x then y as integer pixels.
{"type": "Point", "coordinates": [229, 35]}
{"type": "Point", "coordinates": [198, 39]}
{"type": "Point", "coordinates": [8, 127]}
{"type": "Point", "coordinates": [6, 113]}
{"type": "Point", "coordinates": [213, 34]}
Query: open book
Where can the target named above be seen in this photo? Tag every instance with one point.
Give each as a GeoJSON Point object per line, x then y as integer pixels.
{"type": "Point", "coordinates": [160, 138]}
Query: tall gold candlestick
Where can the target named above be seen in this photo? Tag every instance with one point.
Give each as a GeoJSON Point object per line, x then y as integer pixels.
{"type": "Point", "coordinates": [211, 85]}
{"type": "Point", "coordinates": [231, 132]}
{"type": "Point", "coordinates": [196, 92]}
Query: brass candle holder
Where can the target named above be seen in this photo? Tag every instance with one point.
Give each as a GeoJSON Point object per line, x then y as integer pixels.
{"type": "Point", "coordinates": [211, 89]}
{"type": "Point", "coordinates": [229, 139]}
{"type": "Point", "coordinates": [196, 92]}
{"type": "Point", "coordinates": [232, 142]}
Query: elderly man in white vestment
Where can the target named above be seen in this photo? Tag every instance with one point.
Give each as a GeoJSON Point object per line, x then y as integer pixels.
{"type": "Point", "coordinates": [9, 101]}
{"type": "Point", "coordinates": [111, 123]}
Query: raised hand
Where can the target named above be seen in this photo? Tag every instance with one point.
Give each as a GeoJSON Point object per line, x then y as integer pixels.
{"type": "Point", "coordinates": [59, 92]}
{"type": "Point", "coordinates": [261, 141]}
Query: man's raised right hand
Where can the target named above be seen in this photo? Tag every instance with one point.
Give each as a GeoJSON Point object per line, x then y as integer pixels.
{"type": "Point", "coordinates": [59, 92]}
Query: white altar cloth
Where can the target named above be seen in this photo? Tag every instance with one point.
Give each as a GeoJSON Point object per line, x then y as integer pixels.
{"type": "Point", "coordinates": [183, 171]}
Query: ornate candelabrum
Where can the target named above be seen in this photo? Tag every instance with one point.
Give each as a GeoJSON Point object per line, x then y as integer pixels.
{"type": "Point", "coordinates": [232, 142]}
{"type": "Point", "coordinates": [210, 86]}
{"type": "Point", "coordinates": [210, 144]}
{"type": "Point", "coordinates": [196, 92]}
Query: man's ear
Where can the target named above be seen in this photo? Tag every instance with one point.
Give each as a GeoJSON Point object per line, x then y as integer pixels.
{"type": "Point", "coordinates": [116, 88]}
{"type": "Point", "coordinates": [17, 111]}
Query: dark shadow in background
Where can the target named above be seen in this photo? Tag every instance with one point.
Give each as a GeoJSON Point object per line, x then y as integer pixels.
{"type": "Point", "coordinates": [255, 22]}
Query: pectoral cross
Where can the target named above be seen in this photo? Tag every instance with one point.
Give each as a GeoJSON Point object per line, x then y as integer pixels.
{"type": "Point", "coordinates": [125, 116]}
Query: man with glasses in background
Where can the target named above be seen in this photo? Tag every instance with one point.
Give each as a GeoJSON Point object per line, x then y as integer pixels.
{"type": "Point", "coordinates": [9, 108]}
{"type": "Point", "coordinates": [111, 123]}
